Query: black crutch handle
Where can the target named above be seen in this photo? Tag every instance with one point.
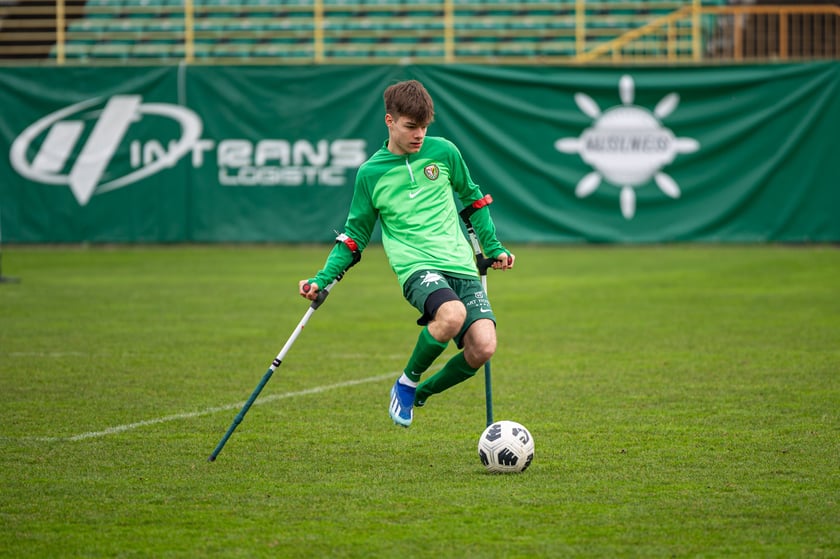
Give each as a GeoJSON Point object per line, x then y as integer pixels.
{"type": "Point", "coordinates": [321, 297]}
{"type": "Point", "coordinates": [483, 263]}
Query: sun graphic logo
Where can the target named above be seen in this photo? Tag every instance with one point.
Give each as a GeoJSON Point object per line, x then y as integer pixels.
{"type": "Point", "coordinates": [430, 278]}
{"type": "Point", "coordinates": [627, 146]}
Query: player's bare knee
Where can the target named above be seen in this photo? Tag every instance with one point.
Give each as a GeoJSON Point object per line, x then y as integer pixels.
{"type": "Point", "coordinates": [449, 319]}
{"type": "Point", "coordinates": [452, 313]}
{"type": "Point", "coordinates": [480, 353]}
{"type": "Point", "coordinates": [480, 342]}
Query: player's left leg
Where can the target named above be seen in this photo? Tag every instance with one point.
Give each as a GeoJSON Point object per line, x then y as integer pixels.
{"type": "Point", "coordinates": [442, 319]}
{"type": "Point", "coordinates": [479, 343]}
{"type": "Point", "coordinates": [477, 339]}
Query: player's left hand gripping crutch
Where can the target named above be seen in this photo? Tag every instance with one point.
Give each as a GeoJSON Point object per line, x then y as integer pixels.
{"type": "Point", "coordinates": [483, 264]}
{"type": "Point", "coordinates": [319, 300]}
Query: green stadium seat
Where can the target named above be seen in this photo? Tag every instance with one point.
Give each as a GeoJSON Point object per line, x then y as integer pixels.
{"type": "Point", "coordinates": [103, 4]}
{"type": "Point", "coordinates": [165, 25]}
{"type": "Point", "coordinates": [359, 28]}
{"type": "Point", "coordinates": [233, 49]}
{"type": "Point", "coordinates": [153, 49]}
{"type": "Point", "coordinates": [111, 50]}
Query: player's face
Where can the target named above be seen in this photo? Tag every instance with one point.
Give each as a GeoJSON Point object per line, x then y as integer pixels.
{"type": "Point", "coordinates": [405, 136]}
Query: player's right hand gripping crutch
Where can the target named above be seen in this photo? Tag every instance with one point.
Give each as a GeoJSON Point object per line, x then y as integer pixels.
{"type": "Point", "coordinates": [322, 295]}
{"type": "Point", "coordinates": [483, 264]}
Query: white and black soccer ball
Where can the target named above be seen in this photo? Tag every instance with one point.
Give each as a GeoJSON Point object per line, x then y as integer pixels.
{"type": "Point", "coordinates": [506, 447]}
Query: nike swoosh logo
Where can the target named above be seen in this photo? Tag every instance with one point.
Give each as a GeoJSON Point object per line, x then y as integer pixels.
{"type": "Point", "coordinates": [484, 310]}
{"type": "Point", "coordinates": [413, 195]}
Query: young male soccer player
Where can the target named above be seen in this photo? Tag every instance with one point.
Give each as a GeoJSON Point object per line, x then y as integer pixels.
{"type": "Point", "coordinates": [408, 186]}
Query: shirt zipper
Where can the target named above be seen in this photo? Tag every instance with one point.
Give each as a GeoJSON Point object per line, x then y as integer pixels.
{"type": "Point", "coordinates": [410, 172]}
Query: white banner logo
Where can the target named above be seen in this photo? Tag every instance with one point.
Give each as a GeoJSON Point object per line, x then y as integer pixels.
{"type": "Point", "coordinates": [627, 145]}
{"type": "Point", "coordinates": [109, 129]}
{"type": "Point", "coordinates": [89, 168]}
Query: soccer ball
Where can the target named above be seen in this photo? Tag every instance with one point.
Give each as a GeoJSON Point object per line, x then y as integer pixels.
{"type": "Point", "coordinates": [506, 447]}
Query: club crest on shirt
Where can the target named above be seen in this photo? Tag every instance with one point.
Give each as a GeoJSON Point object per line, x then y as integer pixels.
{"type": "Point", "coordinates": [431, 171]}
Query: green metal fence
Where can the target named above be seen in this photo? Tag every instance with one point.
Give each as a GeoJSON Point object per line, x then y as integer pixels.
{"type": "Point", "coordinates": [66, 32]}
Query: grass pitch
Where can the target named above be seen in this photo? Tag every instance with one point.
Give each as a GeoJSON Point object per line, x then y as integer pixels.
{"type": "Point", "coordinates": [683, 400]}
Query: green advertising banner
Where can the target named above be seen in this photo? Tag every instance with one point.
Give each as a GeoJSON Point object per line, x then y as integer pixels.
{"type": "Point", "coordinates": [73, 140]}
{"type": "Point", "coordinates": [212, 154]}
{"type": "Point", "coordinates": [283, 148]}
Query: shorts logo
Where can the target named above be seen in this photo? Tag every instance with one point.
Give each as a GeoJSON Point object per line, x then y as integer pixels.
{"type": "Point", "coordinates": [432, 172]}
{"type": "Point", "coordinates": [430, 278]}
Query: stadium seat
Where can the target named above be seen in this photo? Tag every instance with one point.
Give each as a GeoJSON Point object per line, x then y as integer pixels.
{"type": "Point", "coordinates": [375, 29]}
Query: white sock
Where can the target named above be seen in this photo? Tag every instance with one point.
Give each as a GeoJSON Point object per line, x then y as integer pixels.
{"type": "Point", "coordinates": [407, 381]}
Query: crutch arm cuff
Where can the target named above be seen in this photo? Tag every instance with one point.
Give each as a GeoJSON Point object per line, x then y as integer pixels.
{"type": "Point", "coordinates": [353, 246]}
{"type": "Point", "coordinates": [469, 210]}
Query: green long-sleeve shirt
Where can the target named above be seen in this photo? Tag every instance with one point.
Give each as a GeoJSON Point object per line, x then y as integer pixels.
{"type": "Point", "coordinates": [411, 196]}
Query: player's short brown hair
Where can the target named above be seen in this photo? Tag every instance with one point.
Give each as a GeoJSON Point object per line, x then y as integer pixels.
{"type": "Point", "coordinates": [410, 99]}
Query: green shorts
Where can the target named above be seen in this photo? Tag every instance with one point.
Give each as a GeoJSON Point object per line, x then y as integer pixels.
{"type": "Point", "coordinates": [427, 290]}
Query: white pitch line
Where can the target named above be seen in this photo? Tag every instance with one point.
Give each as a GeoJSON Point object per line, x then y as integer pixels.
{"type": "Point", "coordinates": [208, 411]}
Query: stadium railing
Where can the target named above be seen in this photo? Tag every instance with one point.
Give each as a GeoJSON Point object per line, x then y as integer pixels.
{"type": "Point", "coordinates": [69, 32]}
